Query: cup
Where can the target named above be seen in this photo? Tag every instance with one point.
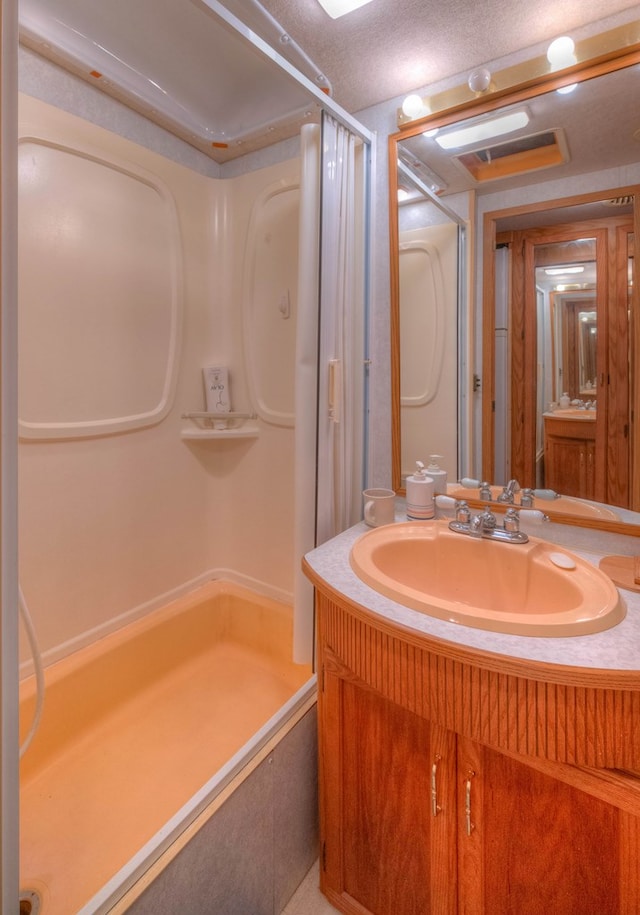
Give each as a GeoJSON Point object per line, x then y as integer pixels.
{"type": "Point", "coordinates": [379, 506]}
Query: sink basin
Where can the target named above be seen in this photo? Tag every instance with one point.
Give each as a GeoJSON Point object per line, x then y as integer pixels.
{"type": "Point", "coordinates": [565, 504]}
{"type": "Point", "coordinates": [535, 588]}
{"type": "Point", "coordinates": [572, 413]}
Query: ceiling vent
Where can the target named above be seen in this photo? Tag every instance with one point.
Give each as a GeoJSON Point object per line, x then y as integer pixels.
{"type": "Point", "coordinates": [626, 201]}
{"type": "Point", "coordinates": [515, 157]}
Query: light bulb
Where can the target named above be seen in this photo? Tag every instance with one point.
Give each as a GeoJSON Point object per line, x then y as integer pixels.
{"type": "Point", "coordinates": [560, 53]}
{"type": "Point", "coordinates": [413, 106]}
{"type": "Point", "coordinates": [479, 80]}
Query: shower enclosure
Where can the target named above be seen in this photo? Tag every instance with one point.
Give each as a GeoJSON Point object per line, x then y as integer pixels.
{"type": "Point", "coordinates": [140, 265]}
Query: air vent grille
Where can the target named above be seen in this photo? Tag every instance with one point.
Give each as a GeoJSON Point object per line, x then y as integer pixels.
{"type": "Point", "coordinates": [516, 157]}
{"type": "Point", "coordinates": [625, 201]}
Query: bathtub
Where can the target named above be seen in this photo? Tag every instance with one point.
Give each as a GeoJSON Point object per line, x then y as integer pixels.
{"type": "Point", "coordinates": [145, 735]}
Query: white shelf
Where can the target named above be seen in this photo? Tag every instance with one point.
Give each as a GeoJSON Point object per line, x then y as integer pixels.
{"type": "Point", "coordinates": [241, 432]}
{"type": "Point", "coordinates": [203, 428]}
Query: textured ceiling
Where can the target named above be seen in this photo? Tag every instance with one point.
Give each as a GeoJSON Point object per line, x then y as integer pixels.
{"type": "Point", "coordinates": [180, 64]}
{"type": "Point", "coordinates": [390, 47]}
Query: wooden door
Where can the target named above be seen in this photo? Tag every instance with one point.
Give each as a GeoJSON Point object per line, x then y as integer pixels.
{"type": "Point", "coordinates": [387, 815]}
{"type": "Point", "coordinates": [530, 248]}
{"type": "Point", "coordinates": [534, 845]}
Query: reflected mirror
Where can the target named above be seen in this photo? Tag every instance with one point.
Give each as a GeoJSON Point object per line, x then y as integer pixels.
{"type": "Point", "coordinates": [553, 282]}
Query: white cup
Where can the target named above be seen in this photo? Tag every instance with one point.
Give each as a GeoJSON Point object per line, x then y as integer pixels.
{"type": "Point", "coordinates": [379, 506]}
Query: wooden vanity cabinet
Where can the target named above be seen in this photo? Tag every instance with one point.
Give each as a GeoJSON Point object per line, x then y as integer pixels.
{"type": "Point", "coordinates": [417, 818]}
{"type": "Point", "coordinates": [570, 457]}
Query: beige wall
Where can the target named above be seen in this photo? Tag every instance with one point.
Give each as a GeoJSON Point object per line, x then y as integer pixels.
{"type": "Point", "coordinates": [111, 522]}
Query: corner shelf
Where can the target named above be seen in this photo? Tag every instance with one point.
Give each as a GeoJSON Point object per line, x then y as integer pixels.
{"type": "Point", "coordinates": [203, 426]}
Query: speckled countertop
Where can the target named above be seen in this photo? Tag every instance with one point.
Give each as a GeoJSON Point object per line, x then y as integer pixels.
{"type": "Point", "coordinates": [613, 649]}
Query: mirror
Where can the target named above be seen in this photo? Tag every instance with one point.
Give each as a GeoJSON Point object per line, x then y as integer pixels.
{"type": "Point", "coordinates": [517, 184]}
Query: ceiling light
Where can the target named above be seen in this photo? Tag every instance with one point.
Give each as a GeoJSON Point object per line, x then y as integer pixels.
{"type": "Point", "coordinates": [337, 8]}
{"type": "Point", "coordinates": [560, 271]}
{"type": "Point", "coordinates": [483, 130]}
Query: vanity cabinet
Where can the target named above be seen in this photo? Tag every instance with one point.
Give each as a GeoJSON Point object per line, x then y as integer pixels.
{"type": "Point", "coordinates": [429, 805]}
{"type": "Point", "coordinates": [570, 456]}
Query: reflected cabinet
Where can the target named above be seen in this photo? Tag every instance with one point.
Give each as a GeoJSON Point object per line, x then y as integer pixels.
{"type": "Point", "coordinates": [569, 456]}
{"type": "Point", "coordinates": [418, 817]}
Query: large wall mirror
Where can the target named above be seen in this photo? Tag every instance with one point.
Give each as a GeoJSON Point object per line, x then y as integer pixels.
{"type": "Point", "coordinates": [553, 208]}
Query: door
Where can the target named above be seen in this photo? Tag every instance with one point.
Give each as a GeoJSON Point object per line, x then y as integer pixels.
{"type": "Point", "coordinates": [539, 253]}
{"type": "Point", "coordinates": [531, 844]}
{"type": "Point", "coordinates": [387, 795]}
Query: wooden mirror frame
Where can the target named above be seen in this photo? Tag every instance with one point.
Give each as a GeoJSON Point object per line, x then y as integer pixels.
{"type": "Point", "coordinates": [607, 62]}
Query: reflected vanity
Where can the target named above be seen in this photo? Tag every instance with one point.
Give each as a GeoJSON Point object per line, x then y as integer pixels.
{"type": "Point", "coordinates": [559, 330]}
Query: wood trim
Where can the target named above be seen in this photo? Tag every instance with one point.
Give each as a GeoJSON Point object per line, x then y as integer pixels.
{"type": "Point", "coordinates": [569, 715]}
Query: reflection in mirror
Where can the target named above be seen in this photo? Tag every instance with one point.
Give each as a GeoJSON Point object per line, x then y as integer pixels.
{"type": "Point", "coordinates": [428, 241]}
{"type": "Point", "coordinates": [575, 340]}
{"type": "Point", "coordinates": [552, 275]}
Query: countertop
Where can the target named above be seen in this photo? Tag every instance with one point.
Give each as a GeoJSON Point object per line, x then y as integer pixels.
{"type": "Point", "coordinates": [613, 649]}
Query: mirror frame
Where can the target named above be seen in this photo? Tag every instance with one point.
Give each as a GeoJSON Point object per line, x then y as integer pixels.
{"type": "Point", "coordinates": [611, 61]}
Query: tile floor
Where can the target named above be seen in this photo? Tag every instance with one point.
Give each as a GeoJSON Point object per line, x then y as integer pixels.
{"type": "Point", "coordinates": [308, 900]}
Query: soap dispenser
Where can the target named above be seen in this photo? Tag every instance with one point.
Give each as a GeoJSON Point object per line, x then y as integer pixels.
{"type": "Point", "coordinates": [565, 401]}
{"type": "Point", "coordinates": [420, 495]}
{"type": "Point", "coordinates": [438, 476]}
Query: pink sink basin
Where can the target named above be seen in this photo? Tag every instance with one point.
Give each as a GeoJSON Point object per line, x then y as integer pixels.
{"type": "Point", "coordinates": [565, 504]}
{"type": "Point", "coordinates": [535, 588]}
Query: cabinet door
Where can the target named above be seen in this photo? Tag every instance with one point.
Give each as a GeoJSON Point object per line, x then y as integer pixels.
{"type": "Point", "coordinates": [530, 844]}
{"type": "Point", "coordinates": [386, 814]}
{"type": "Point", "coordinates": [570, 458]}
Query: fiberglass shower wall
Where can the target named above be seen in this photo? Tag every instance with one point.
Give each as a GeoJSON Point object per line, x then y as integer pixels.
{"type": "Point", "coordinates": [133, 276]}
{"type": "Point", "coordinates": [428, 263]}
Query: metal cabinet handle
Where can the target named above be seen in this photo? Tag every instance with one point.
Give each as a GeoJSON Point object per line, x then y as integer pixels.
{"type": "Point", "coordinates": [467, 802]}
{"type": "Point", "coordinates": [435, 807]}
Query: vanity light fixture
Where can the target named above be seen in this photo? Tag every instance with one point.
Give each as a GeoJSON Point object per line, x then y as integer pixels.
{"type": "Point", "coordinates": [560, 271]}
{"type": "Point", "coordinates": [478, 131]}
{"type": "Point", "coordinates": [337, 8]}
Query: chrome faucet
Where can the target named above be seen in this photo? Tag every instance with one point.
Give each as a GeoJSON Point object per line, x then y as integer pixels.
{"type": "Point", "coordinates": [485, 524]}
{"type": "Point", "coordinates": [485, 521]}
{"type": "Point", "coordinates": [508, 493]}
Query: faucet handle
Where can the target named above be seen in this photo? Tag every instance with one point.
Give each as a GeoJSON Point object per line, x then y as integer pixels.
{"type": "Point", "coordinates": [485, 492]}
{"type": "Point", "coordinates": [512, 520]}
{"type": "Point", "coordinates": [463, 512]}
{"type": "Point", "coordinates": [488, 519]}
{"type": "Point", "coordinates": [526, 499]}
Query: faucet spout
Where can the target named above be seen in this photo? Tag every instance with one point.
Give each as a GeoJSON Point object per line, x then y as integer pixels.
{"type": "Point", "coordinates": [485, 521]}
{"type": "Point", "coordinates": [508, 493]}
